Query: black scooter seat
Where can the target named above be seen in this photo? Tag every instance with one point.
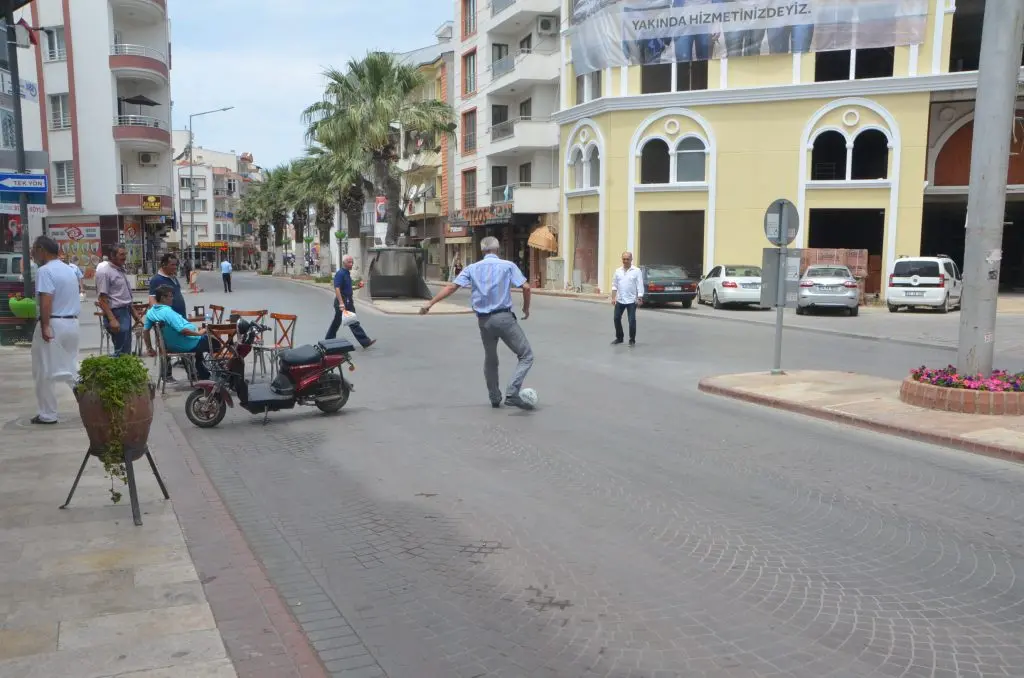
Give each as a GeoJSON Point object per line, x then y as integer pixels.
{"type": "Point", "coordinates": [336, 346]}
{"type": "Point", "coordinates": [303, 355]}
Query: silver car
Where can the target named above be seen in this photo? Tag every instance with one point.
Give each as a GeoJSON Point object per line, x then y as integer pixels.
{"type": "Point", "coordinates": [828, 286]}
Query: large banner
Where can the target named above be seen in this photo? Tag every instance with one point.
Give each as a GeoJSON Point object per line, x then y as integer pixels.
{"type": "Point", "coordinates": [607, 33]}
{"type": "Point", "coordinates": [81, 244]}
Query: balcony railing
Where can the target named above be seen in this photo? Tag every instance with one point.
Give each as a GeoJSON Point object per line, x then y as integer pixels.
{"type": "Point", "coordinates": [60, 122]}
{"type": "Point", "coordinates": [121, 49]}
{"type": "Point", "coordinates": [499, 6]}
{"type": "Point", "coordinates": [507, 63]}
{"type": "Point", "coordinates": [59, 54]}
{"type": "Point", "coordinates": [507, 193]}
{"type": "Point", "coordinates": [140, 121]}
{"type": "Point", "coordinates": [145, 189]}
{"type": "Point", "coordinates": [506, 129]}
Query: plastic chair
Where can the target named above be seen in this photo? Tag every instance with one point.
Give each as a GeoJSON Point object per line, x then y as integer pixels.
{"type": "Point", "coordinates": [163, 357]}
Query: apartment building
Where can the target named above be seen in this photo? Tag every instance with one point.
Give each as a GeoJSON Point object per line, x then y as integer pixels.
{"type": "Point", "coordinates": [674, 147]}
{"type": "Point", "coordinates": [207, 195]}
{"type": "Point", "coordinates": [507, 70]}
{"type": "Point", "coordinates": [100, 86]}
{"type": "Point", "coordinates": [426, 163]}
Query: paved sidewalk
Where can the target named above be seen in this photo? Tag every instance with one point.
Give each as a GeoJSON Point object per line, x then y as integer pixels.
{"type": "Point", "coordinates": [872, 403]}
{"type": "Point", "coordinates": [86, 594]}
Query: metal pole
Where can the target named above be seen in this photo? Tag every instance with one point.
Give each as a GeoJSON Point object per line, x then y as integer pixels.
{"type": "Point", "coordinates": [995, 108]}
{"type": "Point", "coordinates": [19, 150]}
{"type": "Point", "coordinates": [192, 190]}
{"type": "Point", "coordinates": [780, 297]}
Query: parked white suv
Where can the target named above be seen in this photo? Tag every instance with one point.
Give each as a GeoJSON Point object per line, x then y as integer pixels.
{"type": "Point", "coordinates": [934, 282]}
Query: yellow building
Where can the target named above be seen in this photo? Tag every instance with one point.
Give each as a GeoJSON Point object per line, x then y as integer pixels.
{"type": "Point", "coordinates": [678, 161]}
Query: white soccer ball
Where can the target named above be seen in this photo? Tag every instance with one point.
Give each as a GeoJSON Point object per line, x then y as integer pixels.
{"type": "Point", "coordinates": [529, 396]}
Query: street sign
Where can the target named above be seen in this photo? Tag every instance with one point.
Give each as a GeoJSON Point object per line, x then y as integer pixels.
{"type": "Point", "coordinates": [781, 223]}
{"type": "Point", "coordinates": [23, 183]}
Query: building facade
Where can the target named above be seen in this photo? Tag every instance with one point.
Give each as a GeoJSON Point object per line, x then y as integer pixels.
{"type": "Point", "coordinates": [677, 160]}
{"type": "Point", "coordinates": [507, 69]}
{"type": "Point", "coordinates": [102, 70]}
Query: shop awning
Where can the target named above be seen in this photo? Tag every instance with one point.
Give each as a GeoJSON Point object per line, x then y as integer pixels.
{"type": "Point", "coordinates": [543, 239]}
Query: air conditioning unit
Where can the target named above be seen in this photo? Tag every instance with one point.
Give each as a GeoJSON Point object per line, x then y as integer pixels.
{"type": "Point", "coordinates": [547, 25]}
{"type": "Point", "coordinates": [149, 159]}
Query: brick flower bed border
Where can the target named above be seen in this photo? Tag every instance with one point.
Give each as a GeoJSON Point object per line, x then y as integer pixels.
{"type": "Point", "coordinates": [961, 400]}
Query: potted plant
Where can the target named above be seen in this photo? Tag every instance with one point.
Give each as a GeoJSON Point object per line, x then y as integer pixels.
{"type": "Point", "coordinates": [22, 307]}
{"type": "Point", "coordinates": [115, 400]}
{"type": "Point", "coordinates": [340, 235]}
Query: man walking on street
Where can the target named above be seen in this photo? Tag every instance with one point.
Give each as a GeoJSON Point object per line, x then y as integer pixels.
{"type": "Point", "coordinates": [55, 341]}
{"type": "Point", "coordinates": [492, 280]}
{"type": "Point", "coordinates": [78, 274]}
{"type": "Point", "coordinates": [225, 274]}
{"type": "Point", "coordinates": [167, 276]}
{"type": "Point", "coordinates": [627, 294]}
{"type": "Point", "coordinates": [343, 302]}
{"type": "Point", "coordinates": [115, 299]}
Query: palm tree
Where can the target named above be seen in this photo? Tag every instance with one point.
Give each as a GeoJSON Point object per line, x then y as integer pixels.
{"type": "Point", "coordinates": [365, 109]}
{"type": "Point", "coordinates": [336, 177]}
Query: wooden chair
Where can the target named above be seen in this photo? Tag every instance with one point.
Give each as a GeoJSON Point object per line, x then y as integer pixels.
{"type": "Point", "coordinates": [257, 348]}
{"type": "Point", "coordinates": [163, 358]}
{"type": "Point", "coordinates": [284, 338]}
{"type": "Point", "coordinates": [222, 339]}
{"type": "Point", "coordinates": [218, 314]}
{"type": "Point", "coordinates": [104, 335]}
{"type": "Point", "coordinates": [138, 324]}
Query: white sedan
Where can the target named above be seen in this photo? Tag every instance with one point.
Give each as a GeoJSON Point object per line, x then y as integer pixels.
{"type": "Point", "coordinates": [726, 285]}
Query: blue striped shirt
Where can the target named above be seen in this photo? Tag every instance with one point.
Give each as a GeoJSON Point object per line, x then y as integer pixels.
{"type": "Point", "coordinates": [492, 280]}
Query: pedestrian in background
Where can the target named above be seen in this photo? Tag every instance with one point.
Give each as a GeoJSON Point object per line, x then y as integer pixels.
{"type": "Point", "coordinates": [343, 302]}
{"type": "Point", "coordinates": [167, 276]}
{"type": "Point", "coordinates": [78, 274]}
{"type": "Point", "coordinates": [225, 274]}
{"type": "Point", "coordinates": [55, 341]}
{"type": "Point", "coordinates": [627, 294]}
{"type": "Point", "coordinates": [115, 299]}
{"type": "Point", "coordinates": [492, 280]}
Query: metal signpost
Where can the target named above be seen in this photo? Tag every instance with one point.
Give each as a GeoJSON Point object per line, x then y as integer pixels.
{"type": "Point", "coordinates": [781, 224]}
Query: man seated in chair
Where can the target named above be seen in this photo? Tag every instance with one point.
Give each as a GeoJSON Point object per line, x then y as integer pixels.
{"type": "Point", "coordinates": [179, 335]}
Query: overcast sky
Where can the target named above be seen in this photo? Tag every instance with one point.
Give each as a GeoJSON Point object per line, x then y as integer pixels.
{"type": "Point", "coordinates": [265, 58]}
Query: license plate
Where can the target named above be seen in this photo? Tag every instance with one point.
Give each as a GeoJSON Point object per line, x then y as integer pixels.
{"type": "Point", "coordinates": [751, 286]}
{"type": "Point", "coordinates": [673, 288]}
{"type": "Point", "coordinates": [915, 294]}
{"type": "Point", "coordinates": [829, 288]}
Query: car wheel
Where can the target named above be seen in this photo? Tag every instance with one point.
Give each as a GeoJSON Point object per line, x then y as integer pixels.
{"type": "Point", "coordinates": [714, 299]}
{"type": "Point", "coordinates": [945, 305]}
{"type": "Point", "coordinates": [855, 311]}
{"type": "Point", "coordinates": [893, 309]}
{"type": "Point", "coordinates": [688, 303]}
{"type": "Point", "coordinates": [800, 310]}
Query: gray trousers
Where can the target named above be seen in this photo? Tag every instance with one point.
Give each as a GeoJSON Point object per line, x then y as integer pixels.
{"type": "Point", "coordinates": [505, 327]}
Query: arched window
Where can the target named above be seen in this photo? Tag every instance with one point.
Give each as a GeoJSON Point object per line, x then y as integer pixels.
{"type": "Point", "coordinates": [691, 157]}
{"type": "Point", "coordinates": [828, 159]}
{"type": "Point", "coordinates": [593, 163]}
{"type": "Point", "coordinates": [655, 166]}
{"type": "Point", "coordinates": [578, 173]}
{"type": "Point", "coordinates": [870, 156]}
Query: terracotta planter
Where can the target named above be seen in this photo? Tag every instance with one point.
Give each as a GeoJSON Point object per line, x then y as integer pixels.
{"type": "Point", "coordinates": [138, 417]}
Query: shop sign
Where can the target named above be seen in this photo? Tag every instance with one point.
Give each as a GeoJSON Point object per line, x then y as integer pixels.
{"type": "Point", "coordinates": [152, 203]}
{"type": "Point", "coordinates": [212, 245]}
{"type": "Point", "coordinates": [220, 214]}
{"type": "Point", "coordinates": [481, 216]}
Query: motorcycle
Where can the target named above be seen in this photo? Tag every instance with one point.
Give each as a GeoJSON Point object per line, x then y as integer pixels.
{"type": "Point", "coordinates": [307, 375]}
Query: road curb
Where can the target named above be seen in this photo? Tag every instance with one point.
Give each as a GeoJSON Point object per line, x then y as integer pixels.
{"type": "Point", "coordinates": [919, 435]}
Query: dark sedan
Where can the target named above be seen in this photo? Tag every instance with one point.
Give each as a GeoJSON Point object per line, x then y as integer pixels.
{"type": "Point", "coordinates": [665, 284]}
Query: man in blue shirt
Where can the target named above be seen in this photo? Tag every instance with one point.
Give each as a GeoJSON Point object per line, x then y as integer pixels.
{"type": "Point", "coordinates": [180, 336]}
{"type": "Point", "coordinates": [168, 275]}
{"type": "Point", "coordinates": [492, 280]}
{"type": "Point", "coordinates": [343, 300]}
{"type": "Point", "coordinates": [225, 274]}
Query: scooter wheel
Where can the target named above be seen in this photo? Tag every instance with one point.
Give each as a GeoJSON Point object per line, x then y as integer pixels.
{"type": "Point", "coordinates": [335, 405]}
{"type": "Point", "coordinates": [205, 410]}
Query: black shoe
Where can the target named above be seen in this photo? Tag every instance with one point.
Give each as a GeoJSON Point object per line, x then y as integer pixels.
{"type": "Point", "coordinates": [516, 401]}
{"type": "Point", "coordinates": [45, 422]}
{"type": "Point", "coordinates": [616, 342]}
{"type": "Point", "coordinates": [496, 404]}
{"type": "Point", "coordinates": [632, 343]}
{"type": "Point", "coordinates": [170, 379]}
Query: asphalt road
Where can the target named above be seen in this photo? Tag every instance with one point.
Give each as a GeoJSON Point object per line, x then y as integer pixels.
{"type": "Point", "coordinates": [631, 526]}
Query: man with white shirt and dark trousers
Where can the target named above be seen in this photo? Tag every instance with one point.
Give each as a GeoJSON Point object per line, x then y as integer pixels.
{"type": "Point", "coordinates": [627, 294]}
{"type": "Point", "coordinates": [55, 341]}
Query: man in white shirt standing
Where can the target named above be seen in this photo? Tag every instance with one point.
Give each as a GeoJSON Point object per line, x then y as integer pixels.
{"type": "Point", "coordinates": [55, 342]}
{"type": "Point", "coordinates": [225, 273]}
{"type": "Point", "coordinates": [627, 294]}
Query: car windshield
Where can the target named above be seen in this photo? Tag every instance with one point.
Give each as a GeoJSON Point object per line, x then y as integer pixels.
{"type": "Point", "coordinates": [923, 269]}
{"type": "Point", "coordinates": [829, 272]}
{"type": "Point", "coordinates": [655, 272]}
{"type": "Point", "coordinates": [743, 271]}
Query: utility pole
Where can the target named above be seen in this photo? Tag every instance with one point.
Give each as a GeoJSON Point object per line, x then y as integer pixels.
{"type": "Point", "coordinates": [19, 150]}
{"type": "Point", "coordinates": [192, 179]}
{"type": "Point", "coordinates": [995, 109]}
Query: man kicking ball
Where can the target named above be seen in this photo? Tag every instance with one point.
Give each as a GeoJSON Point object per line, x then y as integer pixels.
{"type": "Point", "coordinates": [492, 280]}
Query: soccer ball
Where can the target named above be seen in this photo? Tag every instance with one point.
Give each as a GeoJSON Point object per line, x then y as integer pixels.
{"type": "Point", "coordinates": [529, 396]}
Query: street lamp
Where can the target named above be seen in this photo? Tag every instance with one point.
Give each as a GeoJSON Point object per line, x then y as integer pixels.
{"type": "Point", "coordinates": [192, 178]}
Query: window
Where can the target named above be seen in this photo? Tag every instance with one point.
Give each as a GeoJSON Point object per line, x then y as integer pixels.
{"type": "Point", "coordinates": [870, 156]}
{"type": "Point", "coordinates": [595, 85]}
{"type": "Point", "coordinates": [526, 109]}
{"type": "Point", "coordinates": [581, 89]}
{"type": "Point", "coordinates": [828, 157]}
{"type": "Point", "coordinates": [655, 78]}
{"type": "Point", "coordinates": [867, 159]}
{"type": "Point", "coordinates": [468, 17]}
{"type": "Point", "coordinates": [63, 179]}
{"type": "Point", "coordinates": [500, 190]}
{"type": "Point", "coordinates": [593, 168]}
{"type": "Point", "coordinates": [189, 206]}
{"type": "Point", "coordinates": [469, 189]}
{"type": "Point", "coordinates": [578, 172]}
{"type": "Point", "coordinates": [690, 160]}
{"type": "Point", "coordinates": [501, 127]}
{"type": "Point", "coordinates": [469, 131]}
{"type": "Point", "coordinates": [469, 73]}
{"type": "Point", "coordinates": [60, 111]}
{"type": "Point", "coordinates": [526, 174]}
{"type": "Point", "coordinates": [526, 44]}
{"type": "Point", "coordinates": [501, 62]}
{"type": "Point", "coordinates": [858, 64]}
{"type": "Point", "coordinates": [232, 186]}
{"type": "Point", "coordinates": [499, 114]}
{"type": "Point", "coordinates": [54, 48]}
{"type": "Point", "coordinates": [200, 183]}
{"type": "Point", "coordinates": [498, 52]}
{"type": "Point", "coordinates": [655, 166]}
{"type": "Point", "coordinates": [588, 87]}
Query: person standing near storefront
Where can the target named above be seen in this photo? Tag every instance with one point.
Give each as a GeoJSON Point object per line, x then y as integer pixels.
{"type": "Point", "coordinates": [115, 299]}
{"type": "Point", "coordinates": [55, 341]}
{"type": "Point", "coordinates": [627, 294]}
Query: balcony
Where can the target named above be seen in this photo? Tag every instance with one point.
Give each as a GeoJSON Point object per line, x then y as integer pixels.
{"type": "Point", "coordinates": [139, 62]}
{"type": "Point", "coordinates": [510, 16]}
{"type": "Point", "coordinates": [151, 199]}
{"type": "Point", "coordinates": [527, 198]}
{"type": "Point", "coordinates": [139, 11]}
{"type": "Point", "coordinates": [424, 208]}
{"type": "Point", "coordinates": [523, 69]}
{"type": "Point", "coordinates": [142, 132]}
{"type": "Point", "coordinates": [522, 135]}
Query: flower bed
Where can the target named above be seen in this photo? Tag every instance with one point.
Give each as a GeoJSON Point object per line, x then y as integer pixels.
{"type": "Point", "coordinates": [945, 389]}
